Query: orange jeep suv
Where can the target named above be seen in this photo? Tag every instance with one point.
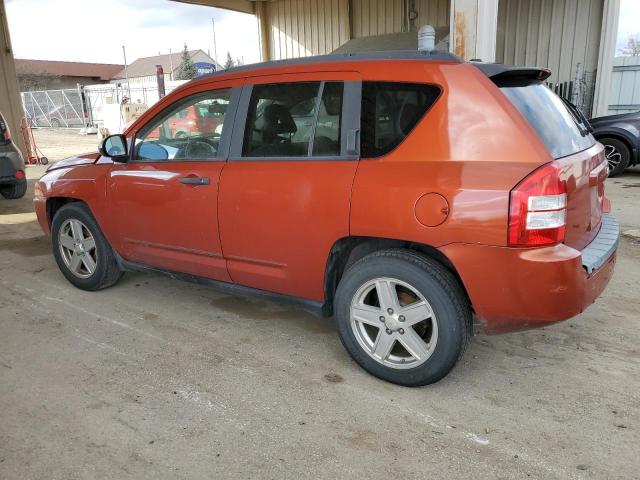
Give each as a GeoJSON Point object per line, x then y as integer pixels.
{"type": "Point", "coordinates": [407, 194]}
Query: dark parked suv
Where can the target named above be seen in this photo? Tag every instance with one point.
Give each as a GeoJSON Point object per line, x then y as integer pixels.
{"type": "Point", "coordinates": [620, 135]}
{"type": "Point", "coordinates": [13, 183]}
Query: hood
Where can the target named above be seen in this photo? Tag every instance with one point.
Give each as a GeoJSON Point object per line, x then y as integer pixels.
{"type": "Point", "coordinates": [634, 116]}
{"type": "Point", "coordinates": [85, 159]}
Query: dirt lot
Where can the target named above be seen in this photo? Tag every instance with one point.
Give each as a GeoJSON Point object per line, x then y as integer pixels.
{"type": "Point", "coordinates": [155, 378]}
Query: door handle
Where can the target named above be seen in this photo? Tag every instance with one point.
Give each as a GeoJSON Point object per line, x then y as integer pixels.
{"type": "Point", "coordinates": [195, 180]}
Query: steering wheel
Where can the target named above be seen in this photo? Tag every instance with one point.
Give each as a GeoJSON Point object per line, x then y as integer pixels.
{"type": "Point", "coordinates": [198, 149]}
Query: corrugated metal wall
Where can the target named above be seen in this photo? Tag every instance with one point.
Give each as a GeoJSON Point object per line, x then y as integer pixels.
{"type": "Point", "coordinates": [557, 34]}
{"type": "Point", "coordinates": [300, 28]}
{"type": "Point", "coordinates": [625, 85]}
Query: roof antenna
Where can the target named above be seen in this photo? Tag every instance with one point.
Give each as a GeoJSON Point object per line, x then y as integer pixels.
{"type": "Point", "coordinates": [426, 39]}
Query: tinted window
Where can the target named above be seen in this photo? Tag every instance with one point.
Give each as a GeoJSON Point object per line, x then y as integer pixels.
{"type": "Point", "coordinates": [283, 119]}
{"type": "Point", "coordinates": [188, 130]}
{"type": "Point", "coordinates": [389, 112]}
{"type": "Point", "coordinates": [560, 131]}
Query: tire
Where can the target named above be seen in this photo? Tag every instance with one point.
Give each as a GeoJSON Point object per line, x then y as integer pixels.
{"type": "Point", "coordinates": [55, 123]}
{"type": "Point", "coordinates": [617, 154]}
{"type": "Point", "coordinates": [44, 160]}
{"type": "Point", "coordinates": [15, 191]}
{"type": "Point", "coordinates": [105, 270]}
{"type": "Point", "coordinates": [411, 276]}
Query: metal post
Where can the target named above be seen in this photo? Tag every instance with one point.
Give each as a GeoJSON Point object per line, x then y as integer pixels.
{"type": "Point", "coordinates": [126, 73]}
{"type": "Point", "coordinates": [215, 46]}
{"type": "Point", "coordinates": [171, 61]}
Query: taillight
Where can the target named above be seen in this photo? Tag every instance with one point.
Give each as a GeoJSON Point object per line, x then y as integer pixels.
{"type": "Point", "coordinates": [538, 209]}
{"type": "Point", "coordinates": [19, 175]}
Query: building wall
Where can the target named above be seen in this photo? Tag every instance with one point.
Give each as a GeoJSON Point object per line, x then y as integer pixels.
{"type": "Point", "coordinates": [556, 34]}
{"type": "Point", "coordinates": [625, 86]}
{"type": "Point", "coordinates": [300, 28]}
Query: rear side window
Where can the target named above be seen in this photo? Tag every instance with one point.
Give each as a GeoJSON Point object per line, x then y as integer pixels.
{"type": "Point", "coordinates": [390, 111]}
{"type": "Point", "coordinates": [562, 133]}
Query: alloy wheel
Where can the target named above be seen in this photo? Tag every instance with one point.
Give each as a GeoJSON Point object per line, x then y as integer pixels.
{"type": "Point", "coordinates": [613, 156]}
{"type": "Point", "coordinates": [78, 248]}
{"type": "Point", "coordinates": [393, 323]}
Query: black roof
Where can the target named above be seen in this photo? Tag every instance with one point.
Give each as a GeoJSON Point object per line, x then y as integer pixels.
{"type": "Point", "coordinates": [348, 57]}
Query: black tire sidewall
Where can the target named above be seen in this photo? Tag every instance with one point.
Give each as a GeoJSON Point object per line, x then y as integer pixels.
{"type": "Point", "coordinates": [105, 255]}
{"type": "Point", "coordinates": [624, 152]}
{"type": "Point", "coordinates": [451, 337]}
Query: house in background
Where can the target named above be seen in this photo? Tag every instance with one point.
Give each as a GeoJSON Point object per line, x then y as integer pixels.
{"type": "Point", "coordinates": [143, 70]}
{"type": "Point", "coordinates": [34, 75]}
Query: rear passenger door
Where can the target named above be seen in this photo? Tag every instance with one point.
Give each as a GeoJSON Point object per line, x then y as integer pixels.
{"type": "Point", "coordinates": [285, 192]}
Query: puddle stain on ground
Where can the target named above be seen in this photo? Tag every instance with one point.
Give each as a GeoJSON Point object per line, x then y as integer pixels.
{"type": "Point", "coordinates": [28, 247]}
{"type": "Point", "coordinates": [262, 310]}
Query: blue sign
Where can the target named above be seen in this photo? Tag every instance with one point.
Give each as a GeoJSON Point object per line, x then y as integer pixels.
{"type": "Point", "coordinates": [204, 68]}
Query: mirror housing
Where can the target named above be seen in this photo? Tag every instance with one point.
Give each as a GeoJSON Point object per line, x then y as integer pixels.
{"type": "Point", "coordinates": [115, 147]}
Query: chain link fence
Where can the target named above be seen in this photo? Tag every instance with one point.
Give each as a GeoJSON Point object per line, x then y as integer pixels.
{"type": "Point", "coordinates": [55, 108]}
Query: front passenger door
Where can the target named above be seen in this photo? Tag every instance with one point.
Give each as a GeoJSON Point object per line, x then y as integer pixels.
{"type": "Point", "coordinates": [166, 196]}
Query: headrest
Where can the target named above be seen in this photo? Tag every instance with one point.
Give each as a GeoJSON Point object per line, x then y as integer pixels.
{"type": "Point", "coordinates": [276, 119]}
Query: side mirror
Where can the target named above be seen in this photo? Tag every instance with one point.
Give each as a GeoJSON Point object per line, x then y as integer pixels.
{"type": "Point", "coordinates": [115, 147]}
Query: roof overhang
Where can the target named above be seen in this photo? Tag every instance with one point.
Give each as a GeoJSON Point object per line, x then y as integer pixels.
{"type": "Point", "coordinates": [244, 6]}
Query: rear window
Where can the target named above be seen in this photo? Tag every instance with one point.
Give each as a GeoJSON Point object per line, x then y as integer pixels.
{"type": "Point", "coordinates": [557, 127]}
{"type": "Point", "coordinates": [390, 111]}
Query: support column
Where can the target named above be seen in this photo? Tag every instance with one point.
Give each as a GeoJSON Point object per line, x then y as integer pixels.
{"type": "Point", "coordinates": [473, 29]}
{"type": "Point", "coordinates": [608, 37]}
{"type": "Point", "coordinates": [10, 103]}
{"type": "Point", "coordinates": [265, 38]}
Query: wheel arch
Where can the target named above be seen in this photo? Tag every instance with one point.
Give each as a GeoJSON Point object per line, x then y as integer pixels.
{"type": "Point", "coordinates": [56, 203]}
{"type": "Point", "coordinates": [348, 250]}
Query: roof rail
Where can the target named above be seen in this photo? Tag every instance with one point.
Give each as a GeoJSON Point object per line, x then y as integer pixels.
{"type": "Point", "coordinates": [347, 57]}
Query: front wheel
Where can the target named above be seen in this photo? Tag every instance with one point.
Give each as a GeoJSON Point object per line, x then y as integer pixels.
{"type": "Point", "coordinates": [81, 251]}
{"type": "Point", "coordinates": [403, 317]}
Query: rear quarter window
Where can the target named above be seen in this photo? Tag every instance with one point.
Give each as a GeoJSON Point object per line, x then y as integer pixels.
{"type": "Point", "coordinates": [390, 111]}
{"type": "Point", "coordinates": [559, 130]}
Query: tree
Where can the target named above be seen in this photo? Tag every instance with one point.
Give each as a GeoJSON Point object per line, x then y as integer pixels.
{"type": "Point", "coordinates": [186, 70]}
{"type": "Point", "coordinates": [229, 62]}
{"type": "Point", "coordinates": [633, 47]}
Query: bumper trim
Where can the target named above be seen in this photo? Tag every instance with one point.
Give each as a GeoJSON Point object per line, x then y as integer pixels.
{"type": "Point", "coordinates": [603, 246]}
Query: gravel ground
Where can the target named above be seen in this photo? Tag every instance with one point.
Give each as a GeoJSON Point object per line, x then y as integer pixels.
{"type": "Point", "coordinates": [155, 378]}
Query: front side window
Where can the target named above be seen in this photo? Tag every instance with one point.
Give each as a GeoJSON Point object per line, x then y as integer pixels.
{"type": "Point", "coordinates": [189, 130]}
{"type": "Point", "coordinates": [294, 120]}
{"type": "Point", "coordinates": [390, 110]}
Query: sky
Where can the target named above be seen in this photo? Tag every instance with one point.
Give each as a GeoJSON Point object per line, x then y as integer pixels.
{"type": "Point", "coordinates": [629, 21]}
{"type": "Point", "coordinates": [96, 30]}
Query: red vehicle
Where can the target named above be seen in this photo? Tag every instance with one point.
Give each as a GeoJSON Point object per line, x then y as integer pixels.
{"type": "Point", "coordinates": [405, 194]}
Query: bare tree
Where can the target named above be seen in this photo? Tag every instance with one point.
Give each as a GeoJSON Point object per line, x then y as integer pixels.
{"type": "Point", "coordinates": [633, 47]}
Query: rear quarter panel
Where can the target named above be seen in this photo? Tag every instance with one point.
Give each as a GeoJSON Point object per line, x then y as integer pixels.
{"type": "Point", "coordinates": [472, 147]}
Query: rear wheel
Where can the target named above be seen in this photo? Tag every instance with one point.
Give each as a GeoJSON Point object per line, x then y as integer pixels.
{"type": "Point", "coordinates": [55, 123]}
{"type": "Point", "coordinates": [403, 317]}
{"type": "Point", "coordinates": [81, 251]}
{"type": "Point", "coordinates": [617, 154]}
{"type": "Point", "coordinates": [15, 191]}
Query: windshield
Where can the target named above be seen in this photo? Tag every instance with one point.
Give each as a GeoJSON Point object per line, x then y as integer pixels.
{"type": "Point", "coordinates": [562, 131]}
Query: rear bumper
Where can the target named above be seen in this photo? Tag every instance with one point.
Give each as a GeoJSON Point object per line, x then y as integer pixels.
{"type": "Point", "coordinates": [517, 289]}
{"type": "Point", "coordinates": [10, 162]}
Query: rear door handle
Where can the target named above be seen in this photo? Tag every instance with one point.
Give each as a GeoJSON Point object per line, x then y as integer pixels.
{"type": "Point", "coordinates": [195, 180]}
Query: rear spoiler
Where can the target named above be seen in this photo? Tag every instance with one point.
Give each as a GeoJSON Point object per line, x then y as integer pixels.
{"type": "Point", "coordinates": [505, 76]}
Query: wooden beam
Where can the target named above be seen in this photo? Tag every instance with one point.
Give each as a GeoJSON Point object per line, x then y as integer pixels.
{"type": "Point", "coordinates": [265, 37]}
{"type": "Point", "coordinates": [243, 6]}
